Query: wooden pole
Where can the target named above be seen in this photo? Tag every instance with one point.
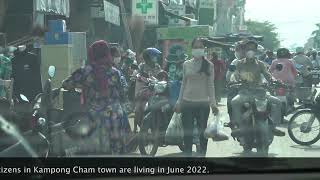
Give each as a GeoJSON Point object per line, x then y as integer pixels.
{"type": "Point", "coordinates": [125, 23]}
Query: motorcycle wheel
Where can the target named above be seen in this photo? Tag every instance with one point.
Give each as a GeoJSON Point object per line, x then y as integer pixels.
{"type": "Point", "coordinates": [303, 127]}
{"type": "Point", "coordinates": [148, 139]}
{"type": "Point", "coordinates": [132, 145]}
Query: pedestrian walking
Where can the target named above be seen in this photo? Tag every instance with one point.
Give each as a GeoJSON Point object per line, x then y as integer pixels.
{"type": "Point", "coordinates": [103, 94]}
{"type": "Point", "coordinates": [196, 96]}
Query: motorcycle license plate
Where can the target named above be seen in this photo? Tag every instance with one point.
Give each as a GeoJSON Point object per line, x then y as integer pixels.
{"type": "Point", "coordinates": [315, 76]}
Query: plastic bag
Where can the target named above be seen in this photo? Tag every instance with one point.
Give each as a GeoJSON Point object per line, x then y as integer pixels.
{"type": "Point", "coordinates": [214, 130]}
{"type": "Point", "coordinates": [174, 133]}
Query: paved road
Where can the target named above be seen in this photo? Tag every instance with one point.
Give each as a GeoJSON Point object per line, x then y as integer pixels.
{"type": "Point", "coordinates": [281, 146]}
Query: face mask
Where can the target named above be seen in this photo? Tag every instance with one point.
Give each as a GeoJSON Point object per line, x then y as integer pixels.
{"type": "Point", "coordinates": [198, 53]}
{"type": "Point", "coordinates": [251, 54]}
{"type": "Point", "coordinates": [117, 60]}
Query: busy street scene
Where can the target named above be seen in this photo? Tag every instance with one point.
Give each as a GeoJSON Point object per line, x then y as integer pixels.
{"type": "Point", "coordinates": [159, 78]}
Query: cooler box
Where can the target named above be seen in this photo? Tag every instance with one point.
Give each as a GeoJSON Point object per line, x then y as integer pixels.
{"type": "Point", "coordinates": [57, 25]}
{"type": "Point", "coordinates": [58, 38]}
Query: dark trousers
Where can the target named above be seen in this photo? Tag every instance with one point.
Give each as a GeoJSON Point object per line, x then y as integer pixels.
{"type": "Point", "coordinates": [199, 112]}
{"type": "Point", "coordinates": [218, 85]}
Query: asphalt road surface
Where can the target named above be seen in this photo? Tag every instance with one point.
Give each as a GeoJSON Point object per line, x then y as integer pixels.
{"type": "Point", "coordinates": [281, 146]}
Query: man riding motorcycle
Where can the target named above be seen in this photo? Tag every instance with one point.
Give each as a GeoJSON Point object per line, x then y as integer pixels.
{"type": "Point", "coordinates": [249, 69]}
{"type": "Point", "coordinates": [302, 60]}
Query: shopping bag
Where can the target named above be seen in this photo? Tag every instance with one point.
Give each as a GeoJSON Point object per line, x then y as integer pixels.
{"type": "Point", "coordinates": [174, 132]}
{"type": "Point", "coordinates": [214, 130]}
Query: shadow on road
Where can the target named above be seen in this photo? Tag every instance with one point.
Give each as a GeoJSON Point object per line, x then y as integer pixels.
{"type": "Point", "coordinates": [252, 154]}
{"type": "Point", "coordinates": [284, 124]}
{"type": "Point", "coordinates": [179, 154]}
{"type": "Point", "coordinates": [307, 148]}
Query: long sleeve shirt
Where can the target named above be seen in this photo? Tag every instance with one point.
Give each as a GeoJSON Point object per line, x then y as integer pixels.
{"type": "Point", "coordinates": [195, 86]}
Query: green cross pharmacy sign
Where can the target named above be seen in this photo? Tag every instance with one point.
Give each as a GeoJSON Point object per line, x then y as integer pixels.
{"type": "Point", "coordinates": [148, 9]}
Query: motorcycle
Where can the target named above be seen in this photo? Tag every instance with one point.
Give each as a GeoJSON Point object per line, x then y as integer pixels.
{"type": "Point", "coordinates": [315, 72]}
{"type": "Point", "coordinates": [158, 113]}
{"type": "Point", "coordinates": [303, 86]}
{"type": "Point", "coordinates": [255, 127]}
{"type": "Point", "coordinates": [285, 94]}
{"type": "Point", "coordinates": [306, 122]}
{"type": "Point", "coordinates": [70, 130]}
{"type": "Point", "coordinates": [16, 111]}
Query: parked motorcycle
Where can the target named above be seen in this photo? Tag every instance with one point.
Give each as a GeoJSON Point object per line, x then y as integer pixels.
{"type": "Point", "coordinates": [306, 122]}
{"type": "Point", "coordinates": [255, 127]}
{"type": "Point", "coordinates": [158, 113]}
{"type": "Point", "coordinates": [15, 111]}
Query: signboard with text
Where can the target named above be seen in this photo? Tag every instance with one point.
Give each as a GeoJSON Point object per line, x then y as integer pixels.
{"type": "Point", "coordinates": [208, 4]}
{"type": "Point", "coordinates": [112, 13]}
{"type": "Point", "coordinates": [148, 9]}
{"type": "Point", "coordinates": [178, 10]}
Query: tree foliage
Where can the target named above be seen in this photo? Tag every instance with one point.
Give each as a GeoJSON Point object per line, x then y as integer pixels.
{"type": "Point", "coordinates": [267, 30]}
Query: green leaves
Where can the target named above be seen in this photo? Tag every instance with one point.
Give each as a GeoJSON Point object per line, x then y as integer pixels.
{"type": "Point", "coordinates": [266, 29]}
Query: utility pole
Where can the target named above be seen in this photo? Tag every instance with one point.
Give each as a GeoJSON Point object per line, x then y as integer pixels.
{"type": "Point", "coordinates": [125, 23]}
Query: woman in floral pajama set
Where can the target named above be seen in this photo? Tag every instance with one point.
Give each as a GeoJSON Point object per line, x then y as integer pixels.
{"type": "Point", "coordinates": [103, 93]}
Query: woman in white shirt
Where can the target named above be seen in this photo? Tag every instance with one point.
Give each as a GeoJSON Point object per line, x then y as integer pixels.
{"type": "Point", "coordinates": [196, 96]}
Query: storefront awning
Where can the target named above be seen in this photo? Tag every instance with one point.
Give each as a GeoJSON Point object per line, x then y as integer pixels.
{"type": "Point", "coordinates": [60, 7]}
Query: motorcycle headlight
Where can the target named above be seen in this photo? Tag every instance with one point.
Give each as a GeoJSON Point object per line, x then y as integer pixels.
{"type": "Point", "coordinates": [160, 87]}
{"type": "Point", "coordinates": [41, 121]}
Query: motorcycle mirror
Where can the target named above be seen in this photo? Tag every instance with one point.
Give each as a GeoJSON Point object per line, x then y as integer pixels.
{"type": "Point", "coordinates": [24, 98]}
{"type": "Point", "coordinates": [52, 71]}
{"type": "Point", "coordinates": [232, 68]}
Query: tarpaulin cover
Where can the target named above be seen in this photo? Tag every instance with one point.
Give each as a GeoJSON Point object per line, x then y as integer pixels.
{"type": "Point", "coordinates": [61, 7]}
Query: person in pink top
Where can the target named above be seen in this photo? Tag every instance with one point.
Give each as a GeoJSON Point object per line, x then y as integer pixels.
{"type": "Point", "coordinates": [283, 68]}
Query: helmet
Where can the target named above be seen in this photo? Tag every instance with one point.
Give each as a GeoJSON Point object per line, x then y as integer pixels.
{"type": "Point", "coordinates": [251, 44]}
{"type": "Point", "coordinates": [300, 50]}
{"type": "Point", "coordinates": [153, 52]}
{"type": "Point", "coordinates": [283, 53]}
{"type": "Point", "coordinates": [314, 52]}
{"type": "Point", "coordinates": [240, 45]}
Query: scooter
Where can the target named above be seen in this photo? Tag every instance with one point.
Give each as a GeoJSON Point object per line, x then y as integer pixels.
{"type": "Point", "coordinates": [254, 130]}
{"type": "Point", "coordinates": [158, 113]}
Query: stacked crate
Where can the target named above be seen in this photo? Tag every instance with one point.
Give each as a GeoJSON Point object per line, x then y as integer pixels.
{"type": "Point", "coordinates": [65, 50]}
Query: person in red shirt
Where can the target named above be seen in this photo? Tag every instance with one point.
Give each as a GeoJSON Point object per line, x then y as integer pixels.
{"type": "Point", "coordinates": [219, 74]}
